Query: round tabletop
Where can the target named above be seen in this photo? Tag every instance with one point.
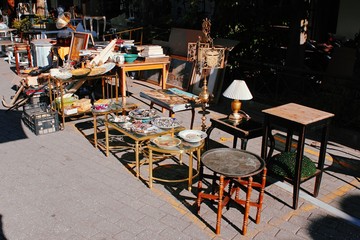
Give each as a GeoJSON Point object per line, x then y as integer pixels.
{"type": "Point", "coordinates": [232, 162]}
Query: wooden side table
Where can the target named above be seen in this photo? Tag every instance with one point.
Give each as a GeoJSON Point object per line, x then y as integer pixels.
{"type": "Point", "coordinates": [298, 118]}
{"type": "Point", "coordinates": [236, 169]}
{"type": "Point", "coordinates": [245, 130]}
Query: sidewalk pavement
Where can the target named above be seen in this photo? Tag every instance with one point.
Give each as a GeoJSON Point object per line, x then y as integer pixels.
{"type": "Point", "coordinates": [58, 186]}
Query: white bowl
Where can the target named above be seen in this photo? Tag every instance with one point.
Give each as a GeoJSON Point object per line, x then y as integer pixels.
{"type": "Point", "coordinates": [192, 136]}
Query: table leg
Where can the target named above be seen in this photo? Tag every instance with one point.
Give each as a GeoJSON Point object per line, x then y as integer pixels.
{"type": "Point", "coordinates": [220, 207]}
{"type": "Point", "coordinates": [198, 200]}
{"type": "Point", "coordinates": [247, 205]}
{"type": "Point", "coordinates": [95, 130]}
{"type": "Point", "coordinates": [190, 171]}
{"type": "Point", "coordinates": [192, 118]}
{"type": "Point", "coordinates": [288, 140]}
{"type": "Point", "coordinates": [164, 76]}
{"type": "Point", "coordinates": [243, 144]}
{"type": "Point", "coordinates": [234, 142]}
{"type": "Point", "coordinates": [137, 159]}
{"type": "Point", "coordinates": [150, 168]}
{"type": "Point", "coordinates": [208, 132]}
{"type": "Point", "coordinates": [107, 138]}
{"type": "Point", "coordinates": [297, 177]}
{"type": "Point", "coordinates": [123, 82]}
{"type": "Point", "coordinates": [324, 139]}
{"type": "Point", "coordinates": [264, 144]}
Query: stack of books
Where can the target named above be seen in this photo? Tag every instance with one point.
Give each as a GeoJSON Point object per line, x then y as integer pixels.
{"type": "Point", "coordinates": [153, 53]}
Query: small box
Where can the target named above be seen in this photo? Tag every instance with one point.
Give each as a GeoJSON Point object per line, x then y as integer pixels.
{"type": "Point", "coordinates": [70, 110]}
{"type": "Point", "coordinates": [40, 119]}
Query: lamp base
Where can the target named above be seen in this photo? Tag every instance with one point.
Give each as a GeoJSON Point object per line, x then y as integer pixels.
{"type": "Point", "coordinates": [236, 117]}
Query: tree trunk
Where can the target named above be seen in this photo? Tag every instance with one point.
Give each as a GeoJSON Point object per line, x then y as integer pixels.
{"type": "Point", "coordinates": [40, 7]}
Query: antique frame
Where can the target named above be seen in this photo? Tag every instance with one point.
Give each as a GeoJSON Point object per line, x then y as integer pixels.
{"type": "Point", "coordinates": [79, 41]}
{"type": "Point", "coordinates": [180, 72]}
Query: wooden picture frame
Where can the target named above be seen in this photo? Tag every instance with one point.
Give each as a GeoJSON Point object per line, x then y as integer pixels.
{"type": "Point", "coordinates": [79, 41]}
{"type": "Point", "coordinates": [180, 72]}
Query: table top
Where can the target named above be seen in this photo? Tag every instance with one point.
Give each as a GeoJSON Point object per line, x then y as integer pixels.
{"type": "Point", "coordinates": [141, 63]}
{"type": "Point", "coordinates": [121, 127]}
{"type": "Point", "coordinates": [231, 162]}
{"type": "Point", "coordinates": [183, 147]}
{"type": "Point", "coordinates": [174, 99]}
{"type": "Point", "coordinates": [298, 113]}
{"type": "Point", "coordinates": [245, 126]}
{"type": "Point", "coordinates": [6, 30]}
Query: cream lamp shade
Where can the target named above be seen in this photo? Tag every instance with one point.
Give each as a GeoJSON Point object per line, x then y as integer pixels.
{"type": "Point", "coordinates": [238, 90]}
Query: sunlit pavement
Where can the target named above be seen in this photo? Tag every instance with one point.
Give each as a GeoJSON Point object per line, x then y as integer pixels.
{"type": "Point", "coordinates": [58, 186]}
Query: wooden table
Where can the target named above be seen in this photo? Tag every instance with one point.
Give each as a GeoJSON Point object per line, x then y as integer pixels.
{"type": "Point", "coordinates": [8, 30]}
{"type": "Point", "coordinates": [298, 118]}
{"type": "Point", "coordinates": [173, 99]}
{"type": "Point", "coordinates": [141, 66]}
{"type": "Point", "coordinates": [184, 147]}
{"type": "Point", "coordinates": [230, 164]}
{"type": "Point", "coordinates": [245, 130]}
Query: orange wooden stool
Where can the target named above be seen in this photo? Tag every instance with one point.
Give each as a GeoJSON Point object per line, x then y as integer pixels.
{"type": "Point", "coordinates": [236, 169]}
{"type": "Point", "coordinates": [22, 48]}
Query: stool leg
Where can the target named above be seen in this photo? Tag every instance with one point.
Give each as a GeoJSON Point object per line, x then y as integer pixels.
{"type": "Point", "coordinates": [247, 205]}
{"type": "Point", "coordinates": [29, 55]}
{"type": "Point", "coordinates": [16, 60]}
{"type": "Point", "coordinates": [261, 196]}
{"type": "Point", "coordinates": [220, 207]}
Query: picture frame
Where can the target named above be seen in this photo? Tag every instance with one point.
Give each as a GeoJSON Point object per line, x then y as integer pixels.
{"type": "Point", "coordinates": [79, 41]}
{"type": "Point", "coordinates": [180, 72]}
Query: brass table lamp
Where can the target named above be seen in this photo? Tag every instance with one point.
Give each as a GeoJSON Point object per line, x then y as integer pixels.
{"type": "Point", "coordinates": [238, 90]}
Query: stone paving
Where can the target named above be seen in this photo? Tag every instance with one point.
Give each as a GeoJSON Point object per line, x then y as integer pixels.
{"type": "Point", "coordinates": [58, 186]}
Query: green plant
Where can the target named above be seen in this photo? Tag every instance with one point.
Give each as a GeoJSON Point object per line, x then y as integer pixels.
{"type": "Point", "coordinates": [283, 164]}
{"type": "Point", "coordinates": [22, 25]}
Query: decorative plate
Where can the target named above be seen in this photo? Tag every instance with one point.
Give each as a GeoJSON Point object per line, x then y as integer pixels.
{"type": "Point", "coordinates": [166, 142]}
{"type": "Point", "coordinates": [108, 66]}
{"type": "Point", "coordinates": [120, 119]}
{"type": "Point", "coordinates": [97, 71]}
{"type": "Point", "coordinates": [101, 108]}
{"type": "Point", "coordinates": [142, 114]}
{"type": "Point", "coordinates": [80, 72]}
{"type": "Point", "coordinates": [166, 122]}
{"type": "Point", "coordinates": [143, 128]}
{"type": "Point", "coordinates": [192, 135]}
{"type": "Point", "coordinates": [63, 75]}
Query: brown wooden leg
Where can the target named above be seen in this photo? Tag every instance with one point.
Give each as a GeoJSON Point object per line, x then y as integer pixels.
{"type": "Point", "coordinates": [220, 207]}
{"type": "Point", "coordinates": [261, 196]}
{"type": "Point", "coordinates": [198, 200]}
{"type": "Point", "coordinates": [247, 205]}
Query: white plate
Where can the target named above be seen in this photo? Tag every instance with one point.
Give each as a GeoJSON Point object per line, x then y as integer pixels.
{"type": "Point", "coordinates": [108, 66]}
{"type": "Point", "coordinates": [166, 142]}
{"type": "Point", "coordinates": [63, 75]}
{"type": "Point", "coordinates": [166, 122]}
{"type": "Point", "coordinates": [192, 135]}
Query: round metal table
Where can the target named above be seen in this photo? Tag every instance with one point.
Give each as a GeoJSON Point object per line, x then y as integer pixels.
{"type": "Point", "coordinates": [235, 167]}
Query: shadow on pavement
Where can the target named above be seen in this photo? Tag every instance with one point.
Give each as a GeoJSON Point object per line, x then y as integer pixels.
{"type": "Point", "coordinates": [331, 227]}
{"type": "Point", "coordinates": [11, 127]}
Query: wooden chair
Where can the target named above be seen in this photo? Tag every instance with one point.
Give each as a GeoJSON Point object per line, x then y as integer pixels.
{"type": "Point", "coordinates": [22, 48]}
